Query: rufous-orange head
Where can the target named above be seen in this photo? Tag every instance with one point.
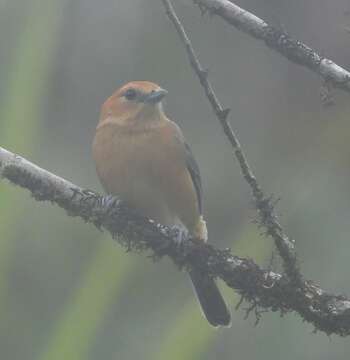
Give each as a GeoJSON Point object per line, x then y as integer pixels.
{"type": "Point", "coordinates": [133, 100]}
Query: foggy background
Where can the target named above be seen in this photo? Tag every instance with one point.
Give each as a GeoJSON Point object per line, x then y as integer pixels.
{"type": "Point", "coordinates": [68, 291]}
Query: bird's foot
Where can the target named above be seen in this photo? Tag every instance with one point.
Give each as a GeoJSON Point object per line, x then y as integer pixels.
{"type": "Point", "coordinates": [180, 235]}
{"type": "Point", "coordinates": [109, 202]}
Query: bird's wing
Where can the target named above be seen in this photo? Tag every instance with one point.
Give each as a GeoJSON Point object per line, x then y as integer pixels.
{"type": "Point", "coordinates": [191, 162]}
{"type": "Point", "coordinates": [193, 169]}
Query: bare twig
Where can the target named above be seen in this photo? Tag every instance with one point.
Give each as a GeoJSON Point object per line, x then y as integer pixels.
{"type": "Point", "coordinates": [263, 204]}
{"type": "Point", "coordinates": [264, 290]}
{"type": "Point", "coordinates": [277, 39]}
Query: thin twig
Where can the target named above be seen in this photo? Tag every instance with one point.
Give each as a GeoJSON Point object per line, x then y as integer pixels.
{"type": "Point", "coordinates": [278, 40]}
{"type": "Point", "coordinates": [264, 205]}
{"type": "Point", "coordinates": [266, 290]}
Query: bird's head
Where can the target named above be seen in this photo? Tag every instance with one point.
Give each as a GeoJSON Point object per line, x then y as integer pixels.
{"type": "Point", "coordinates": [136, 101]}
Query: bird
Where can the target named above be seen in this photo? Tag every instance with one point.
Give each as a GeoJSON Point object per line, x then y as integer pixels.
{"type": "Point", "coordinates": [142, 157]}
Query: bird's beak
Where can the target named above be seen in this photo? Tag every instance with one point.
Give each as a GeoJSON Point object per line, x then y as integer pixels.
{"type": "Point", "coordinates": [155, 96]}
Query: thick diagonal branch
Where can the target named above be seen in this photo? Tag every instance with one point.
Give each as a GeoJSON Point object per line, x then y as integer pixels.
{"type": "Point", "coordinates": [263, 204]}
{"type": "Point", "coordinates": [265, 290]}
{"type": "Point", "coordinates": [294, 50]}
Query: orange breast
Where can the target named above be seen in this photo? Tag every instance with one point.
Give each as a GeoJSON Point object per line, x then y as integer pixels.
{"type": "Point", "coordinates": [148, 170]}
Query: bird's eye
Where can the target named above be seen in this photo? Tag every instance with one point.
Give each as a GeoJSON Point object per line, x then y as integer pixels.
{"type": "Point", "coordinates": [130, 94]}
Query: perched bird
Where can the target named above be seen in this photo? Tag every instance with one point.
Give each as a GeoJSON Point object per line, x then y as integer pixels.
{"type": "Point", "coordinates": [142, 157]}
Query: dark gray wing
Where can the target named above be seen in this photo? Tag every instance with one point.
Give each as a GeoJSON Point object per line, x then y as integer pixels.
{"type": "Point", "coordinates": [193, 169]}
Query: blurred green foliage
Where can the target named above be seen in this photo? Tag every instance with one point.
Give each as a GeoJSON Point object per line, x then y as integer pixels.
{"type": "Point", "coordinates": [68, 292]}
{"type": "Point", "coordinates": [81, 318]}
{"type": "Point", "coordinates": [20, 127]}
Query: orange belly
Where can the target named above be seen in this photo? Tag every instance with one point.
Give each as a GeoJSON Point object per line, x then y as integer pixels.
{"type": "Point", "coordinates": [150, 174]}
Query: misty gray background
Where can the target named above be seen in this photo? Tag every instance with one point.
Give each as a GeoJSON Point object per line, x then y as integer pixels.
{"type": "Point", "coordinates": [69, 292]}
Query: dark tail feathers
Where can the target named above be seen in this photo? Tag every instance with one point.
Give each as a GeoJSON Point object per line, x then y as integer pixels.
{"type": "Point", "coordinates": [210, 299]}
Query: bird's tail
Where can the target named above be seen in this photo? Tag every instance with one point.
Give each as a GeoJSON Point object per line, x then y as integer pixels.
{"type": "Point", "coordinates": [210, 299]}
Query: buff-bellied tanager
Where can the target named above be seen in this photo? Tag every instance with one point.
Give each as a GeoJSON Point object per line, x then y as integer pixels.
{"type": "Point", "coordinates": [142, 157]}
